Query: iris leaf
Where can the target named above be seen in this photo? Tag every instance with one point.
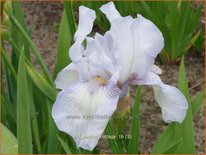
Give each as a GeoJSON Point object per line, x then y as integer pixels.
{"type": "Point", "coordinates": [113, 143]}
{"type": "Point", "coordinates": [64, 41]}
{"type": "Point", "coordinates": [135, 129]}
{"type": "Point", "coordinates": [53, 143]}
{"type": "Point", "coordinates": [32, 46]}
{"type": "Point", "coordinates": [23, 110]}
{"type": "Point", "coordinates": [68, 7]}
{"type": "Point", "coordinates": [188, 145]}
{"type": "Point", "coordinates": [65, 146]}
{"type": "Point", "coordinates": [42, 83]}
{"type": "Point", "coordinates": [8, 141]}
{"type": "Point", "coordinates": [197, 102]}
{"type": "Point", "coordinates": [166, 140]}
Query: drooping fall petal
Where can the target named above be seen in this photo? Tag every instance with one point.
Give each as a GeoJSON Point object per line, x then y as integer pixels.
{"type": "Point", "coordinates": [84, 109]}
{"type": "Point", "coordinates": [171, 100]}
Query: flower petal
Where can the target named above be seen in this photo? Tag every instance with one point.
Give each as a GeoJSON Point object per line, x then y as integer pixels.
{"type": "Point", "coordinates": [83, 111]}
{"type": "Point", "coordinates": [171, 100]}
{"type": "Point", "coordinates": [148, 43]}
{"type": "Point", "coordinates": [86, 19]}
{"type": "Point", "coordinates": [66, 76]}
{"type": "Point", "coordinates": [156, 69]}
{"type": "Point", "coordinates": [103, 56]}
{"type": "Point", "coordinates": [123, 36]}
{"type": "Point", "coordinates": [100, 56]}
{"type": "Point", "coordinates": [110, 11]}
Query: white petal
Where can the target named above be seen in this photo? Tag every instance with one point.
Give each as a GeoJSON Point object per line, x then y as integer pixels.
{"type": "Point", "coordinates": [171, 100]}
{"type": "Point", "coordinates": [103, 57]}
{"type": "Point", "coordinates": [66, 76]}
{"type": "Point", "coordinates": [83, 69]}
{"type": "Point", "coordinates": [150, 79]}
{"type": "Point", "coordinates": [110, 11]}
{"type": "Point", "coordinates": [148, 43]}
{"type": "Point", "coordinates": [81, 101]}
{"type": "Point", "coordinates": [156, 69]}
{"type": "Point", "coordinates": [123, 36]}
{"type": "Point", "coordinates": [122, 33]}
{"type": "Point", "coordinates": [86, 19]}
{"type": "Point", "coordinates": [100, 56]}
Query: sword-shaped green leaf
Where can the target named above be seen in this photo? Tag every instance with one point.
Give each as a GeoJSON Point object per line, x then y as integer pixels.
{"type": "Point", "coordinates": [23, 110]}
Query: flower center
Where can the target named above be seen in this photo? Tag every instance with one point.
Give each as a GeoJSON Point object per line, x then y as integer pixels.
{"type": "Point", "coordinates": [99, 79]}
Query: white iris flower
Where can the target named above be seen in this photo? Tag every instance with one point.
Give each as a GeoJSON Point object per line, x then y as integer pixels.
{"type": "Point", "coordinates": [99, 75]}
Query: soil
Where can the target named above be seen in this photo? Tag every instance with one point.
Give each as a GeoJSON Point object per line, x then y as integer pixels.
{"type": "Point", "coordinates": [43, 20]}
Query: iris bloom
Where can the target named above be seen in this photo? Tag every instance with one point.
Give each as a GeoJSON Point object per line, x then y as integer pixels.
{"type": "Point", "coordinates": [101, 71]}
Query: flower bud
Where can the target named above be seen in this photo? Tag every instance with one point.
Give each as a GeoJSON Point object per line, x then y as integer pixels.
{"type": "Point", "coordinates": [5, 27]}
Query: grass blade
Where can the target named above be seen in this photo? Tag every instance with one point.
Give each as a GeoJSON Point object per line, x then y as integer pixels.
{"type": "Point", "coordinates": [23, 110]}
{"type": "Point", "coordinates": [135, 129]}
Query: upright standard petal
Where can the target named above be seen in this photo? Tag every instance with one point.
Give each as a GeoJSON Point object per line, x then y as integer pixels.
{"type": "Point", "coordinates": [171, 100]}
{"type": "Point", "coordinates": [66, 76]}
{"type": "Point", "coordinates": [86, 19]}
{"type": "Point", "coordinates": [110, 11]}
{"type": "Point", "coordinates": [102, 56]}
{"type": "Point", "coordinates": [138, 39]}
{"type": "Point", "coordinates": [121, 31]}
{"type": "Point", "coordinates": [148, 41]}
{"type": "Point", "coordinates": [84, 109]}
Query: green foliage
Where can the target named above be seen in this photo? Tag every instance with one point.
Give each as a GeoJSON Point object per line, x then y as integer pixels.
{"type": "Point", "coordinates": [23, 110]}
{"type": "Point", "coordinates": [9, 143]}
{"type": "Point", "coordinates": [133, 147]}
{"type": "Point", "coordinates": [66, 32]}
{"type": "Point", "coordinates": [65, 146]}
{"type": "Point", "coordinates": [186, 128]}
{"type": "Point", "coordinates": [28, 93]}
{"type": "Point", "coordinates": [199, 42]}
{"type": "Point", "coordinates": [114, 144]}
